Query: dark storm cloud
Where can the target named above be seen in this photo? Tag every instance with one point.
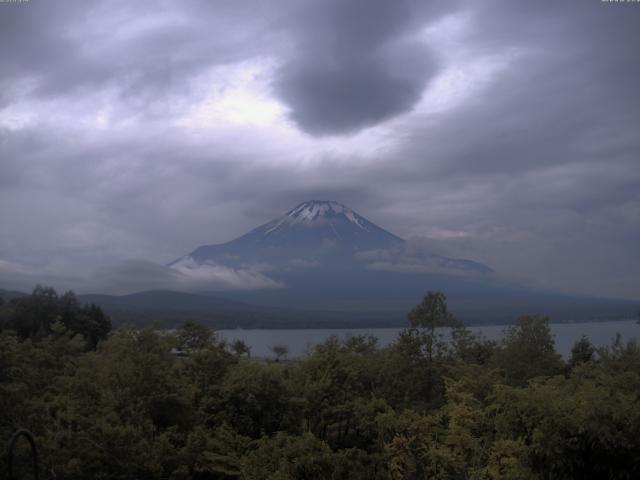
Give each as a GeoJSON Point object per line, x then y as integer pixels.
{"type": "Point", "coordinates": [356, 63]}
{"type": "Point", "coordinates": [31, 44]}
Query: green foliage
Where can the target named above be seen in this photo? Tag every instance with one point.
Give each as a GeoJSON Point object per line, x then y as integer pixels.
{"type": "Point", "coordinates": [425, 407]}
{"type": "Point", "coordinates": [193, 336]}
{"type": "Point", "coordinates": [33, 316]}
{"type": "Point", "coordinates": [280, 351]}
{"type": "Point", "coordinates": [432, 312]}
{"type": "Point", "coordinates": [528, 351]}
{"type": "Point", "coordinates": [286, 457]}
{"type": "Point", "coordinates": [256, 400]}
{"type": "Point", "coordinates": [582, 351]}
{"type": "Point", "coordinates": [580, 427]}
{"type": "Point", "coordinates": [240, 348]}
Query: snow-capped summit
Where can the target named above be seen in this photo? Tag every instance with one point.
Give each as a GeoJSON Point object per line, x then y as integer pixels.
{"type": "Point", "coordinates": [315, 209]}
{"type": "Point", "coordinates": [318, 212]}
{"type": "Point", "coordinates": [315, 230]}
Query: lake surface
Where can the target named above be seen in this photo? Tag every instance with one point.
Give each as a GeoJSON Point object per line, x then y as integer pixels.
{"type": "Point", "coordinates": [299, 341]}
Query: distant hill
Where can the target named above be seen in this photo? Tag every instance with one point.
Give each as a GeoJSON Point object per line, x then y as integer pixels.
{"type": "Point", "coordinates": [7, 295]}
{"type": "Point", "coordinates": [168, 309]}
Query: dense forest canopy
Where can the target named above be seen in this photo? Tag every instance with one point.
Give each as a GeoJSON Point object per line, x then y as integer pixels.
{"type": "Point", "coordinates": [140, 404]}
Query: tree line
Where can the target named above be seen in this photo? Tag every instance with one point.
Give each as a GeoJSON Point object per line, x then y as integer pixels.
{"type": "Point", "coordinates": [124, 405]}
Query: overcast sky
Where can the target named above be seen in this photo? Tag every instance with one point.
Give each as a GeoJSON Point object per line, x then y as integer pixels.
{"type": "Point", "coordinates": [505, 132]}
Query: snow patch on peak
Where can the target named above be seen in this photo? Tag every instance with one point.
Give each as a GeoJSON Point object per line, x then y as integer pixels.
{"type": "Point", "coordinates": [318, 212]}
{"type": "Point", "coordinates": [314, 209]}
{"type": "Point", "coordinates": [275, 225]}
{"type": "Point", "coordinates": [309, 211]}
{"type": "Point", "coordinates": [356, 219]}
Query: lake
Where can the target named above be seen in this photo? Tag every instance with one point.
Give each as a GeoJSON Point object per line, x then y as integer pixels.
{"type": "Point", "coordinates": [300, 340]}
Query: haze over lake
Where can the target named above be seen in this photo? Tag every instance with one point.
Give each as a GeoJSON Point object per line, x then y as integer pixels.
{"type": "Point", "coordinates": [300, 340]}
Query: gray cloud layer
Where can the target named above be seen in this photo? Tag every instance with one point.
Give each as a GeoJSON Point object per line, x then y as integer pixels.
{"type": "Point", "coordinates": [504, 132]}
{"type": "Point", "coordinates": [355, 64]}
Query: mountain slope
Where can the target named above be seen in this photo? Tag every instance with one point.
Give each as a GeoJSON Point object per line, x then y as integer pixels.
{"type": "Point", "coordinates": [314, 234]}
{"type": "Point", "coordinates": [325, 258]}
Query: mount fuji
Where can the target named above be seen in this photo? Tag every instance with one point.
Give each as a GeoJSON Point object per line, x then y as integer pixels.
{"type": "Point", "coordinates": [322, 256]}
{"type": "Point", "coordinates": [317, 234]}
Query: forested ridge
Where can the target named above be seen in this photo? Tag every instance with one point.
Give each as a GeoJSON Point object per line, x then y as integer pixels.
{"type": "Point", "coordinates": [134, 403]}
